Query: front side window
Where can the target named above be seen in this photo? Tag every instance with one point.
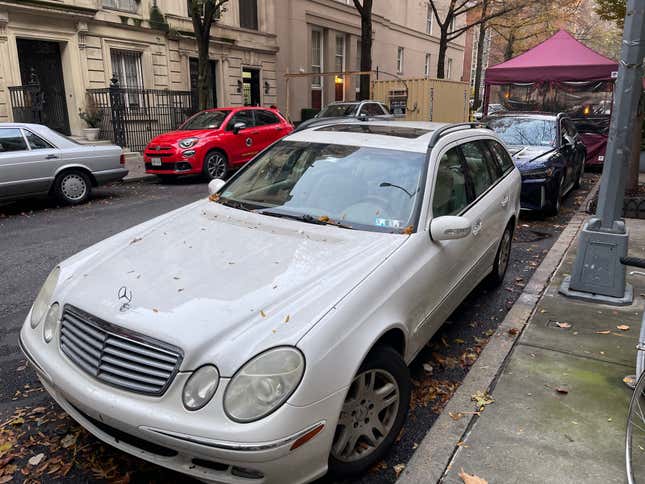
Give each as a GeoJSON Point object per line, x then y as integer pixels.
{"type": "Point", "coordinates": [249, 14]}
{"type": "Point", "coordinates": [245, 117]}
{"type": "Point", "coordinates": [450, 194]}
{"type": "Point", "coordinates": [11, 139]}
{"type": "Point", "coordinates": [524, 131]}
{"type": "Point", "coordinates": [503, 158]}
{"type": "Point", "coordinates": [356, 187]}
{"type": "Point", "coordinates": [205, 120]}
{"type": "Point", "coordinates": [125, 5]}
{"type": "Point", "coordinates": [36, 142]}
{"type": "Point", "coordinates": [477, 166]}
{"type": "Point", "coordinates": [372, 109]}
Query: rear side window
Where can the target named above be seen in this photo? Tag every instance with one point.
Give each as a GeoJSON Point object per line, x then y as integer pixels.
{"type": "Point", "coordinates": [494, 168]}
{"type": "Point", "coordinates": [36, 142]}
{"type": "Point", "coordinates": [503, 158]}
{"type": "Point", "coordinates": [477, 166]}
{"type": "Point", "coordinates": [245, 117]}
{"type": "Point", "coordinates": [263, 118]}
{"type": "Point", "coordinates": [450, 192]}
{"type": "Point", "coordinates": [11, 140]}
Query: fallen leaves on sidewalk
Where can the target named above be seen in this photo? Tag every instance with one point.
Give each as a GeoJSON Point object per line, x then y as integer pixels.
{"type": "Point", "coordinates": [471, 478]}
{"type": "Point", "coordinates": [482, 399]}
{"type": "Point", "coordinates": [604, 331]}
{"type": "Point", "coordinates": [513, 331]}
{"type": "Point", "coordinates": [562, 325]}
{"type": "Point", "coordinates": [623, 327]}
{"type": "Point", "coordinates": [398, 469]}
{"type": "Point", "coordinates": [562, 390]}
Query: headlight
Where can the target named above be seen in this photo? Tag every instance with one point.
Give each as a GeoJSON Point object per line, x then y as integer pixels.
{"type": "Point", "coordinates": [200, 387]}
{"type": "Point", "coordinates": [188, 142]}
{"type": "Point", "coordinates": [538, 173]}
{"type": "Point", "coordinates": [263, 384]}
{"type": "Point", "coordinates": [41, 304]}
{"type": "Point", "coordinates": [51, 322]}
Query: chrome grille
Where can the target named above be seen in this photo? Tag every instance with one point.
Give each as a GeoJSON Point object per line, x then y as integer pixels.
{"type": "Point", "coordinates": [117, 357]}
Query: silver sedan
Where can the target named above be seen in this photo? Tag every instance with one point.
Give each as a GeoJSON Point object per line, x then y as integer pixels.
{"type": "Point", "coordinates": [36, 160]}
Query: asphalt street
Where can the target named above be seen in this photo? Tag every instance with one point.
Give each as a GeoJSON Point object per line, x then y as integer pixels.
{"type": "Point", "coordinates": [36, 234]}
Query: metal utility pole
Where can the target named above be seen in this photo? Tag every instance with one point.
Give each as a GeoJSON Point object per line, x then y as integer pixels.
{"type": "Point", "coordinates": [598, 274]}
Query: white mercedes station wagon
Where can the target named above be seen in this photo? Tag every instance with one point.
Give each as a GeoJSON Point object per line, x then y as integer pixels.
{"type": "Point", "coordinates": [262, 334]}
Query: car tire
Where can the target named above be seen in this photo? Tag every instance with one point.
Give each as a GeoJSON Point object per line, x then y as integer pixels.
{"type": "Point", "coordinates": [72, 187]}
{"type": "Point", "coordinates": [382, 381]}
{"type": "Point", "coordinates": [502, 258]}
{"type": "Point", "coordinates": [215, 165]}
{"type": "Point", "coordinates": [553, 208]}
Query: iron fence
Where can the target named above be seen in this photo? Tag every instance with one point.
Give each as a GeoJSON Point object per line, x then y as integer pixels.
{"type": "Point", "coordinates": [132, 117]}
{"type": "Point", "coordinates": [27, 103]}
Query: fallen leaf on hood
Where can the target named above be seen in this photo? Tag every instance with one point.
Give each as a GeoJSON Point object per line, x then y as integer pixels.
{"type": "Point", "coordinates": [214, 197]}
{"type": "Point", "coordinates": [263, 314]}
{"type": "Point", "coordinates": [398, 469]}
{"type": "Point", "coordinates": [323, 218]}
{"type": "Point", "coordinates": [68, 441]}
{"type": "Point", "coordinates": [286, 319]}
{"type": "Point", "coordinates": [135, 240]}
{"type": "Point", "coordinates": [155, 310]}
{"type": "Point", "coordinates": [37, 459]}
{"type": "Point", "coordinates": [408, 230]}
{"type": "Point", "coordinates": [562, 390]}
{"type": "Point", "coordinates": [562, 325]}
{"type": "Point", "coordinates": [471, 478]}
{"type": "Point", "coordinates": [605, 331]}
{"type": "Point", "coordinates": [623, 327]}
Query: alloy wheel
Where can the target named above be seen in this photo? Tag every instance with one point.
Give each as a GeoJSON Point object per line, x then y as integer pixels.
{"type": "Point", "coordinates": [216, 166]}
{"type": "Point", "coordinates": [73, 187]}
{"type": "Point", "coordinates": [504, 253]}
{"type": "Point", "coordinates": [368, 414]}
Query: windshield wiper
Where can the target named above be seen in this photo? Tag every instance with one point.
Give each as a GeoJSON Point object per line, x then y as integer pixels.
{"type": "Point", "coordinates": [236, 204]}
{"type": "Point", "coordinates": [305, 217]}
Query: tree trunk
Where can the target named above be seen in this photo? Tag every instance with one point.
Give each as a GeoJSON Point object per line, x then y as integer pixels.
{"type": "Point", "coordinates": [508, 50]}
{"type": "Point", "coordinates": [366, 48]}
{"type": "Point", "coordinates": [203, 72]}
{"type": "Point", "coordinates": [479, 57]}
{"type": "Point", "coordinates": [443, 48]}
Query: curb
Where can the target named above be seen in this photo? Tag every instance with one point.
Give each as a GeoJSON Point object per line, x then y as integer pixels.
{"type": "Point", "coordinates": [138, 178]}
{"type": "Point", "coordinates": [432, 458]}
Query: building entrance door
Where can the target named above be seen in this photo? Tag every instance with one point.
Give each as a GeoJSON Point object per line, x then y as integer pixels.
{"type": "Point", "coordinates": [251, 81]}
{"type": "Point", "coordinates": [44, 60]}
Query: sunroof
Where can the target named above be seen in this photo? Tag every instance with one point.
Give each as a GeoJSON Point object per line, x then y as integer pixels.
{"type": "Point", "coordinates": [396, 131]}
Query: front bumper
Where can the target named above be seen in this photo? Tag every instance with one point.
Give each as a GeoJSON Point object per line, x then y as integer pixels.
{"type": "Point", "coordinates": [173, 162]}
{"type": "Point", "coordinates": [537, 193]}
{"type": "Point", "coordinates": [203, 444]}
{"type": "Point", "coordinates": [107, 176]}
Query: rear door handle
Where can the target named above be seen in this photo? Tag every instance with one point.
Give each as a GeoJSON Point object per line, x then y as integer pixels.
{"type": "Point", "coordinates": [477, 227]}
{"type": "Point", "coordinates": [51, 157]}
{"type": "Point", "coordinates": [505, 200]}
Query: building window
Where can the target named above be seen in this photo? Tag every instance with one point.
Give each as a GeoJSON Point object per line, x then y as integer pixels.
{"type": "Point", "coordinates": [125, 5]}
{"type": "Point", "coordinates": [449, 69]}
{"type": "Point", "coordinates": [453, 24]}
{"type": "Point", "coordinates": [400, 53]}
{"type": "Point", "coordinates": [126, 67]}
{"type": "Point", "coordinates": [339, 80]}
{"type": "Point", "coordinates": [426, 69]}
{"type": "Point", "coordinates": [249, 14]}
{"type": "Point", "coordinates": [316, 66]}
{"type": "Point", "coordinates": [429, 17]}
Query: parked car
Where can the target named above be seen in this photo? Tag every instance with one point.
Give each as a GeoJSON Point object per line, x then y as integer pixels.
{"type": "Point", "coordinates": [215, 141]}
{"type": "Point", "coordinates": [356, 110]}
{"type": "Point", "coordinates": [549, 153]}
{"type": "Point", "coordinates": [36, 160]}
{"type": "Point", "coordinates": [264, 333]}
{"type": "Point", "coordinates": [492, 110]}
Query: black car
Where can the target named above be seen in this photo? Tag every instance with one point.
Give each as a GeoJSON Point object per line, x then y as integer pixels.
{"type": "Point", "coordinates": [549, 154]}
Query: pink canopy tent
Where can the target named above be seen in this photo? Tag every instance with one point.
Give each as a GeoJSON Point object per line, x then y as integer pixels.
{"type": "Point", "coordinates": [560, 62]}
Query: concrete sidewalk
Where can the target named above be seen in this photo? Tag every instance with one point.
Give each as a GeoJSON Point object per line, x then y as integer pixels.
{"type": "Point", "coordinates": [560, 405]}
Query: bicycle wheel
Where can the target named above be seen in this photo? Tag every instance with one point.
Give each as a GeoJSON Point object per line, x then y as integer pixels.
{"type": "Point", "coordinates": [635, 436]}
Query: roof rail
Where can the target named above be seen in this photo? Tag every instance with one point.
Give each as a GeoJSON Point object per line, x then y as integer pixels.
{"type": "Point", "coordinates": [448, 128]}
{"type": "Point", "coordinates": [322, 122]}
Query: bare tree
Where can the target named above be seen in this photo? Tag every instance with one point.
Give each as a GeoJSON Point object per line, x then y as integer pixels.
{"type": "Point", "coordinates": [458, 8]}
{"type": "Point", "coordinates": [204, 14]}
{"type": "Point", "coordinates": [365, 11]}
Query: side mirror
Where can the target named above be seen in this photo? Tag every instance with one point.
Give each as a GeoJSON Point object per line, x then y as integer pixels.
{"type": "Point", "coordinates": [450, 227]}
{"type": "Point", "coordinates": [237, 127]}
{"type": "Point", "coordinates": [215, 185]}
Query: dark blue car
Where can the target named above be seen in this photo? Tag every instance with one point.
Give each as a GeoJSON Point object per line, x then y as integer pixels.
{"type": "Point", "coordinates": [549, 154]}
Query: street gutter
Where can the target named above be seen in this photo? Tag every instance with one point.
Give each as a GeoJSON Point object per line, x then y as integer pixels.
{"type": "Point", "coordinates": [432, 458]}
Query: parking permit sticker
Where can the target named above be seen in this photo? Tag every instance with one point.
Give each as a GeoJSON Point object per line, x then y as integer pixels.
{"type": "Point", "coordinates": [388, 222]}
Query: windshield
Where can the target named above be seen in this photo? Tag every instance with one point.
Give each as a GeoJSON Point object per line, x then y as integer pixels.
{"type": "Point", "coordinates": [205, 120]}
{"type": "Point", "coordinates": [524, 131]}
{"type": "Point", "coordinates": [350, 186]}
{"type": "Point", "coordinates": [338, 110]}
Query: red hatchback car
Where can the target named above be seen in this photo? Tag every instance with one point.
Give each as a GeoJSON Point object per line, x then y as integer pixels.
{"type": "Point", "coordinates": [215, 142]}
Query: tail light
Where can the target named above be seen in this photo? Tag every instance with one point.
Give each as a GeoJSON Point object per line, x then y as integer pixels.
{"type": "Point", "coordinates": [122, 159]}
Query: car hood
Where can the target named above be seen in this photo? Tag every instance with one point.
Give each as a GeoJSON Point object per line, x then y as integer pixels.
{"type": "Point", "coordinates": [174, 136]}
{"type": "Point", "coordinates": [222, 284]}
{"type": "Point", "coordinates": [525, 154]}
